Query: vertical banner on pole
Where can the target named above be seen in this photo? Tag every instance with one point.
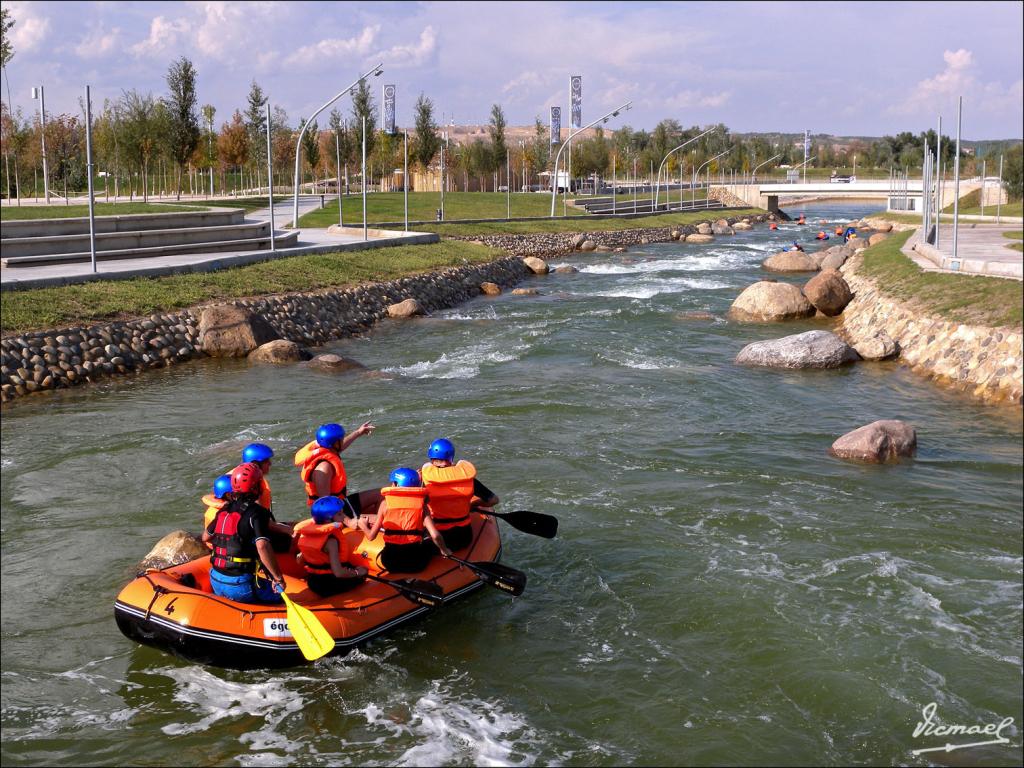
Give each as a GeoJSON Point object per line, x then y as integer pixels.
{"type": "Point", "coordinates": [576, 94]}
{"type": "Point", "coordinates": [388, 110]}
{"type": "Point", "coordinates": [555, 125]}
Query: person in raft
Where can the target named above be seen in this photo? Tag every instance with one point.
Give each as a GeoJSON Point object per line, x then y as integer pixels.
{"type": "Point", "coordinates": [241, 541]}
{"type": "Point", "coordinates": [261, 455]}
{"type": "Point", "coordinates": [453, 491]}
{"type": "Point", "coordinates": [323, 550]}
{"type": "Point", "coordinates": [402, 518]}
{"type": "Point", "coordinates": [796, 247]}
{"type": "Point", "coordinates": [822, 235]}
{"type": "Point", "coordinates": [323, 472]}
{"type": "Point", "coordinates": [216, 501]}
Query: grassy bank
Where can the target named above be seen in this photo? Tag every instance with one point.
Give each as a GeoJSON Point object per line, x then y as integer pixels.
{"type": "Point", "coordinates": [34, 212]}
{"type": "Point", "coordinates": [390, 206]}
{"type": "Point", "coordinates": [971, 205]}
{"type": "Point", "coordinates": [1017, 235]}
{"type": "Point", "coordinates": [583, 225]}
{"type": "Point", "coordinates": [971, 299]}
{"type": "Point", "coordinates": [101, 301]}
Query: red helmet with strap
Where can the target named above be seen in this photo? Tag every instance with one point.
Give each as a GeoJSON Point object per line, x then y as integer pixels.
{"type": "Point", "coordinates": [245, 478]}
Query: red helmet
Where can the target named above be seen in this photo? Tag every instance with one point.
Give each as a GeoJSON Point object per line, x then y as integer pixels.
{"type": "Point", "coordinates": [245, 478]}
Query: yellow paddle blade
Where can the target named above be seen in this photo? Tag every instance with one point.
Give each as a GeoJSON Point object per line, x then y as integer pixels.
{"type": "Point", "coordinates": [314, 641]}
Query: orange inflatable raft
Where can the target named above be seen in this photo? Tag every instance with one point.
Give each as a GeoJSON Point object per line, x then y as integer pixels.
{"type": "Point", "coordinates": [175, 610]}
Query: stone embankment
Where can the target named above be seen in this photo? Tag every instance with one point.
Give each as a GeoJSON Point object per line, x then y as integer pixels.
{"type": "Point", "coordinates": [985, 361]}
{"type": "Point", "coordinates": [558, 243]}
{"type": "Point", "coordinates": [68, 357]}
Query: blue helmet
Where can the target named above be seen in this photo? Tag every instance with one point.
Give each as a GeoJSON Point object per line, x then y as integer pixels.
{"type": "Point", "coordinates": [257, 452]}
{"type": "Point", "coordinates": [404, 477]}
{"type": "Point", "coordinates": [329, 434]}
{"type": "Point", "coordinates": [441, 449]}
{"type": "Point", "coordinates": [324, 510]}
{"type": "Point", "coordinates": [222, 486]}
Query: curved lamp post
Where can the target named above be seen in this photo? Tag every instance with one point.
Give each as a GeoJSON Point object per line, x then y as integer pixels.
{"type": "Point", "coordinates": [614, 113]}
{"type": "Point", "coordinates": [753, 174]}
{"type": "Point", "coordinates": [696, 173]}
{"type": "Point", "coordinates": [376, 71]}
{"type": "Point", "coordinates": [657, 188]}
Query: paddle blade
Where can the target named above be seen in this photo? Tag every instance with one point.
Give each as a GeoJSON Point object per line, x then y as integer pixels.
{"type": "Point", "coordinates": [536, 523]}
{"type": "Point", "coordinates": [423, 592]}
{"type": "Point", "coordinates": [501, 576]}
{"type": "Point", "coordinates": [313, 640]}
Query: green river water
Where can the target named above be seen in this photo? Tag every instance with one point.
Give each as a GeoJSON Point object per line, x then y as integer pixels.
{"type": "Point", "coordinates": [721, 590]}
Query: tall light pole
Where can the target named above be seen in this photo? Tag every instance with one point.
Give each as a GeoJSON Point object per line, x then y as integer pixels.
{"type": "Point", "coordinates": [444, 143]}
{"type": "Point", "coordinates": [366, 233]}
{"type": "Point", "coordinates": [753, 173]}
{"type": "Point", "coordinates": [376, 72]}
{"type": "Point", "coordinates": [689, 141]}
{"type": "Point", "coordinates": [405, 179]}
{"type": "Point", "coordinates": [696, 173]}
{"type": "Point", "coordinates": [337, 173]}
{"type": "Point", "coordinates": [938, 188]}
{"type": "Point", "coordinates": [37, 93]}
{"type": "Point", "coordinates": [999, 196]}
{"type": "Point", "coordinates": [270, 182]}
{"type": "Point", "coordinates": [90, 170]}
{"type": "Point", "coordinates": [604, 119]}
{"type": "Point", "coordinates": [956, 174]}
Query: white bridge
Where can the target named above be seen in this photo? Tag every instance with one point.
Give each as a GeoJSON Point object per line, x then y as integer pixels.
{"type": "Point", "coordinates": [900, 197]}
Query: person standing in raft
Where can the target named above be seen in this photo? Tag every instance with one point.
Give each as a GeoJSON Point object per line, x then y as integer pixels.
{"type": "Point", "coordinates": [403, 519]}
{"type": "Point", "coordinates": [241, 541]}
{"type": "Point", "coordinates": [453, 492]}
{"type": "Point", "coordinates": [261, 455]}
{"type": "Point", "coordinates": [323, 472]}
{"type": "Point", "coordinates": [324, 551]}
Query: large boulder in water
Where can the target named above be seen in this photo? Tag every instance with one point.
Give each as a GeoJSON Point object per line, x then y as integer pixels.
{"type": "Point", "coordinates": [813, 349]}
{"type": "Point", "coordinates": [279, 352]}
{"type": "Point", "coordinates": [490, 289]}
{"type": "Point", "coordinates": [790, 261]}
{"type": "Point", "coordinates": [829, 292]}
{"type": "Point", "coordinates": [229, 331]}
{"type": "Point", "coordinates": [700, 238]}
{"type": "Point", "coordinates": [834, 257]}
{"type": "Point", "coordinates": [721, 227]}
{"type": "Point", "coordinates": [407, 308]}
{"type": "Point", "coordinates": [878, 442]}
{"type": "Point", "coordinates": [770, 301]}
{"type": "Point", "coordinates": [175, 548]}
{"type": "Point", "coordinates": [335, 364]}
{"type": "Point", "coordinates": [881, 346]}
{"type": "Point", "coordinates": [741, 226]}
{"type": "Point", "coordinates": [536, 265]}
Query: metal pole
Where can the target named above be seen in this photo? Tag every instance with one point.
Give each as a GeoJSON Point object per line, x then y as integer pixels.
{"type": "Point", "coordinates": [614, 183]}
{"type": "Point", "coordinates": [508, 185]}
{"type": "Point", "coordinates": [444, 140]}
{"type": "Point", "coordinates": [982, 187]}
{"type": "Point", "coordinates": [210, 146]}
{"type": "Point", "coordinates": [270, 182]}
{"type": "Point", "coordinates": [938, 187]}
{"type": "Point", "coordinates": [42, 123]}
{"type": "Point", "coordinates": [405, 180]}
{"type": "Point", "coordinates": [999, 196]}
{"type": "Point", "coordinates": [337, 168]}
{"type": "Point", "coordinates": [366, 234]}
{"type": "Point", "coordinates": [89, 168]}
{"type": "Point", "coordinates": [634, 185]}
{"type": "Point", "coordinates": [956, 176]}
{"type": "Point", "coordinates": [924, 179]}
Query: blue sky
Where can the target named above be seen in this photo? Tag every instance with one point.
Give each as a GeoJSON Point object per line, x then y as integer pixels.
{"type": "Point", "coordinates": [842, 68]}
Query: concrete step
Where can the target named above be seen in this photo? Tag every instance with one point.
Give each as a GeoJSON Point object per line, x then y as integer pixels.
{"type": "Point", "coordinates": [134, 222]}
{"type": "Point", "coordinates": [259, 243]}
{"type": "Point", "coordinates": [118, 241]}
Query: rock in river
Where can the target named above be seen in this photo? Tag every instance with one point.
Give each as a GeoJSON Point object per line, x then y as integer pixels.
{"type": "Point", "coordinates": [229, 331]}
{"type": "Point", "coordinates": [175, 548]}
{"type": "Point", "coordinates": [790, 261]}
{"type": "Point", "coordinates": [279, 351]}
{"type": "Point", "coordinates": [829, 292]}
{"type": "Point", "coordinates": [813, 349]}
{"type": "Point", "coordinates": [769, 301]}
{"type": "Point", "coordinates": [878, 442]}
{"type": "Point", "coordinates": [407, 308]}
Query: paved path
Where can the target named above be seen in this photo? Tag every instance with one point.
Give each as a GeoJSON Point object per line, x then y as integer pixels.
{"type": "Point", "coordinates": [981, 250]}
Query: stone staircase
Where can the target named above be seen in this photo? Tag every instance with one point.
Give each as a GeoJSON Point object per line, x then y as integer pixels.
{"type": "Point", "coordinates": [136, 236]}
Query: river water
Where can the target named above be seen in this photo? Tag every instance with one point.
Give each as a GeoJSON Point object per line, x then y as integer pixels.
{"type": "Point", "coordinates": [721, 590]}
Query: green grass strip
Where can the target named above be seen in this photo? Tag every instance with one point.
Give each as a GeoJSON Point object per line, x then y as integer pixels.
{"type": "Point", "coordinates": [106, 300]}
{"type": "Point", "coordinates": [35, 212]}
{"type": "Point", "coordinates": [973, 299]}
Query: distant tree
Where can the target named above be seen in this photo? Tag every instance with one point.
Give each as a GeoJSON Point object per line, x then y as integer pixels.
{"type": "Point", "coordinates": [256, 122]}
{"type": "Point", "coordinates": [426, 143]}
{"type": "Point", "coordinates": [362, 106]}
{"type": "Point", "coordinates": [233, 142]}
{"type": "Point", "coordinates": [6, 54]}
{"type": "Point", "coordinates": [282, 139]}
{"type": "Point", "coordinates": [311, 146]}
{"type": "Point", "coordinates": [183, 122]}
{"type": "Point", "coordinates": [499, 149]}
{"type": "Point", "coordinates": [539, 154]}
{"type": "Point", "coordinates": [145, 122]}
{"type": "Point", "coordinates": [1013, 171]}
{"type": "Point", "coordinates": [340, 131]}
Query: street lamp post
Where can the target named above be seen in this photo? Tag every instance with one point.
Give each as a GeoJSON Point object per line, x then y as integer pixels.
{"type": "Point", "coordinates": [366, 233]}
{"type": "Point", "coordinates": [753, 174]}
{"type": "Point", "coordinates": [37, 93]}
{"type": "Point", "coordinates": [444, 142]}
{"type": "Point", "coordinates": [405, 180]}
{"type": "Point", "coordinates": [604, 119]}
{"type": "Point", "coordinates": [90, 170]}
{"type": "Point", "coordinates": [700, 168]}
{"type": "Point", "coordinates": [376, 71]}
{"type": "Point", "coordinates": [956, 176]}
{"type": "Point", "coordinates": [665, 159]}
{"type": "Point", "coordinates": [270, 182]}
{"type": "Point", "coordinates": [804, 166]}
{"type": "Point", "coordinates": [337, 173]}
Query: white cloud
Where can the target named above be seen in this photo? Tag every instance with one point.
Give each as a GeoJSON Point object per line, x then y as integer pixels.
{"type": "Point", "coordinates": [939, 93]}
{"type": "Point", "coordinates": [688, 98]}
{"type": "Point", "coordinates": [334, 48]}
{"type": "Point", "coordinates": [29, 29]}
{"type": "Point", "coordinates": [413, 55]}
{"type": "Point", "coordinates": [98, 43]}
{"type": "Point", "coordinates": [163, 35]}
{"type": "Point", "coordinates": [230, 30]}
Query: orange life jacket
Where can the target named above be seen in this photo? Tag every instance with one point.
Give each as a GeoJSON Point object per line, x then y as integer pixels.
{"type": "Point", "coordinates": [449, 491]}
{"type": "Point", "coordinates": [313, 538]}
{"type": "Point", "coordinates": [308, 457]}
{"type": "Point", "coordinates": [213, 506]}
{"type": "Point", "coordinates": [402, 521]}
{"type": "Point", "coordinates": [264, 499]}
{"type": "Point", "coordinates": [839, 230]}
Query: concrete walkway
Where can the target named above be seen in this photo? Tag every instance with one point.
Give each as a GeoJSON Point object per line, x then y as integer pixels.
{"type": "Point", "coordinates": [981, 250]}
